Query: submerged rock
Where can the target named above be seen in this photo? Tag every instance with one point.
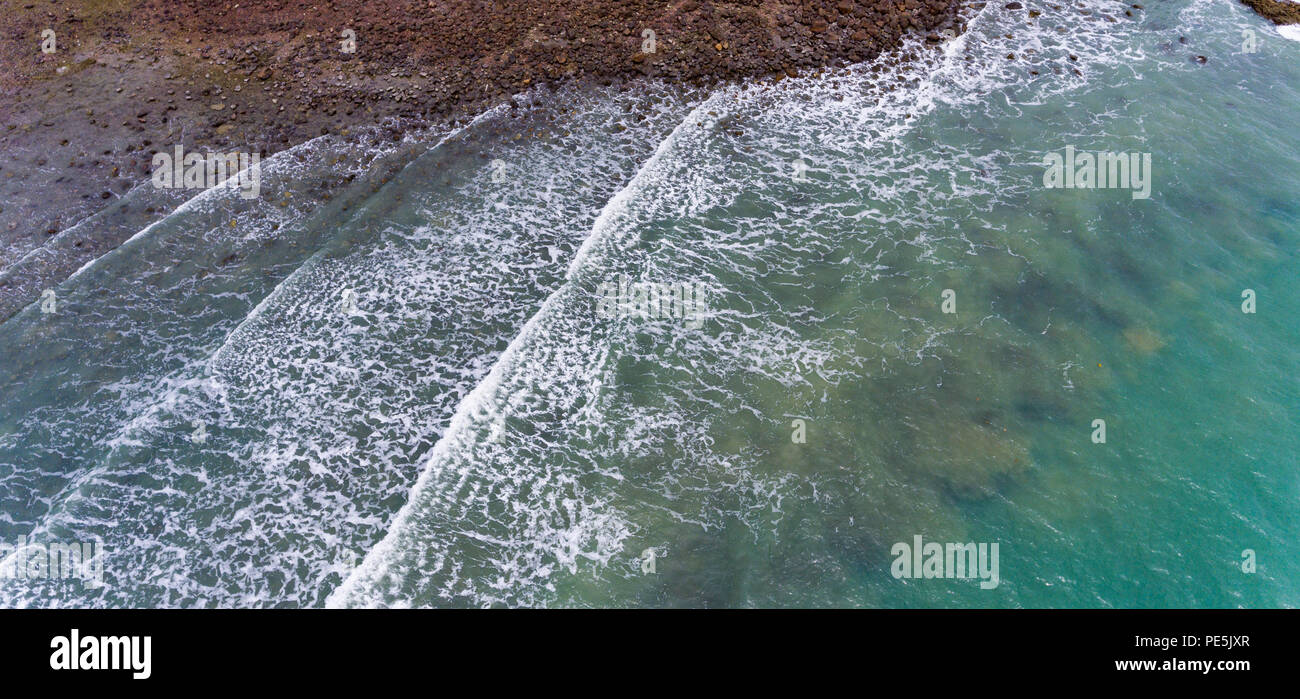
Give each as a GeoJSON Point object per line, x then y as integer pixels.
{"type": "Point", "coordinates": [1143, 340]}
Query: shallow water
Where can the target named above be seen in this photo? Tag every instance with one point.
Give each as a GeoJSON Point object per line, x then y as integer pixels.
{"type": "Point", "coordinates": [408, 397]}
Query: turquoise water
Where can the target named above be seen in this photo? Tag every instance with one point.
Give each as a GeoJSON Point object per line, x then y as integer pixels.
{"type": "Point", "coordinates": [467, 430]}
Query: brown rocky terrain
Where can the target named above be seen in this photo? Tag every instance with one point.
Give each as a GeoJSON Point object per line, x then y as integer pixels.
{"type": "Point", "coordinates": [1277, 11]}
{"type": "Point", "coordinates": [127, 78]}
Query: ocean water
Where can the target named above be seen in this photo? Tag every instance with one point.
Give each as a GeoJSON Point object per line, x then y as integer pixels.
{"type": "Point", "coordinates": [387, 381]}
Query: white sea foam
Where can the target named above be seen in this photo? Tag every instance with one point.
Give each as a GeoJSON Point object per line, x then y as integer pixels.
{"type": "Point", "coordinates": [314, 415]}
{"type": "Point", "coordinates": [509, 515]}
{"type": "Point", "coordinates": [473, 364]}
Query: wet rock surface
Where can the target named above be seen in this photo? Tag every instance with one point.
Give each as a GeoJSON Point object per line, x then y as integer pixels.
{"type": "Point", "coordinates": [1276, 11]}
{"type": "Point", "coordinates": [128, 78]}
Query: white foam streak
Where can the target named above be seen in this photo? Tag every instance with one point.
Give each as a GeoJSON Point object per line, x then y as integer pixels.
{"type": "Point", "coordinates": [485, 396]}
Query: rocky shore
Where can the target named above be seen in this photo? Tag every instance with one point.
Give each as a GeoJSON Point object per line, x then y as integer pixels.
{"type": "Point", "coordinates": [1276, 11]}
{"type": "Point", "coordinates": [92, 88]}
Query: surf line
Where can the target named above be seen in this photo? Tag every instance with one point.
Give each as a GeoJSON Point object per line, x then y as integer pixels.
{"type": "Point", "coordinates": [313, 259]}
{"type": "Point", "coordinates": [458, 429]}
{"type": "Point", "coordinates": [185, 206]}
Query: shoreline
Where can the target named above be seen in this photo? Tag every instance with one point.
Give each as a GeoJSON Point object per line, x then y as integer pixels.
{"type": "Point", "coordinates": [130, 78]}
{"type": "Point", "coordinates": [1279, 12]}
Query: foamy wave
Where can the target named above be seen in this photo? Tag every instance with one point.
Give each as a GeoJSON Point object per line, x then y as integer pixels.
{"type": "Point", "coordinates": [551, 479]}
{"type": "Point", "coordinates": [535, 450]}
{"type": "Point", "coordinates": [314, 413]}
